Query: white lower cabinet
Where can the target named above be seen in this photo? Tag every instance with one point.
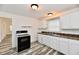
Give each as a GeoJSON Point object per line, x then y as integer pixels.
{"type": "Point", "coordinates": [46, 39]}
{"type": "Point", "coordinates": [74, 47]}
{"type": "Point", "coordinates": [54, 42]}
{"type": "Point", "coordinates": [40, 40]}
{"type": "Point", "coordinates": [74, 50]}
{"type": "Point", "coordinates": [50, 41]}
{"type": "Point", "coordinates": [64, 45]}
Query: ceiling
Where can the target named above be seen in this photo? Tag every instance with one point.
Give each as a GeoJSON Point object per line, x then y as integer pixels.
{"type": "Point", "coordinates": [25, 9]}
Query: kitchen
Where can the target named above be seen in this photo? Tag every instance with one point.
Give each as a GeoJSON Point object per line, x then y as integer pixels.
{"type": "Point", "coordinates": [57, 30]}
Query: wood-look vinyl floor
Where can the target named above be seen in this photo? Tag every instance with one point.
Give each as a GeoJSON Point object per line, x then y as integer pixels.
{"type": "Point", "coordinates": [36, 49]}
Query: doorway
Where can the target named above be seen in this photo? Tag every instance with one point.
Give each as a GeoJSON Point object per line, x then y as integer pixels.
{"type": "Point", "coordinates": [5, 35]}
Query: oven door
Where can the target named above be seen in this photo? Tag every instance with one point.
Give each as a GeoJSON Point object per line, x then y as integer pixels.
{"type": "Point", "coordinates": [23, 43]}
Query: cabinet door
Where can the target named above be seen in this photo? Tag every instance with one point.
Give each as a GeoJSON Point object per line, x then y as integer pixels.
{"type": "Point", "coordinates": [70, 21]}
{"type": "Point", "coordinates": [74, 50]}
{"type": "Point", "coordinates": [43, 39]}
{"type": "Point", "coordinates": [65, 22]}
{"type": "Point", "coordinates": [64, 45]}
{"type": "Point", "coordinates": [54, 43]}
{"type": "Point", "coordinates": [46, 39]}
{"type": "Point", "coordinates": [40, 39]}
{"type": "Point", "coordinates": [74, 47]}
{"type": "Point", "coordinates": [75, 20]}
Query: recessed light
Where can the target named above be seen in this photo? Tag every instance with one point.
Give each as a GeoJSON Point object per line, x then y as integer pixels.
{"type": "Point", "coordinates": [34, 6]}
{"type": "Point", "coordinates": [50, 14]}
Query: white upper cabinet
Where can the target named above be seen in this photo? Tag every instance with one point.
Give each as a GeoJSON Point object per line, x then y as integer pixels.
{"type": "Point", "coordinates": [75, 20]}
{"type": "Point", "coordinates": [65, 22]}
{"type": "Point", "coordinates": [70, 21]}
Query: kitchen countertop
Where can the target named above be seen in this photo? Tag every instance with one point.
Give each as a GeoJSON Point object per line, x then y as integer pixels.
{"type": "Point", "coordinates": [62, 35]}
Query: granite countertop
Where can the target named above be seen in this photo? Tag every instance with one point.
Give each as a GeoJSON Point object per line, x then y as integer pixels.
{"type": "Point", "coordinates": [63, 35]}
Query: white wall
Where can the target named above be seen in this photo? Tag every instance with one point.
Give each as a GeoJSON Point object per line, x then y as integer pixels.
{"type": "Point", "coordinates": [19, 21]}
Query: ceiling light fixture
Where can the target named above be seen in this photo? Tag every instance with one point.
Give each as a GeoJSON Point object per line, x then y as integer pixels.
{"type": "Point", "coordinates": [34, 6]}
{"type": "Point", "coordinates": [50, 14]}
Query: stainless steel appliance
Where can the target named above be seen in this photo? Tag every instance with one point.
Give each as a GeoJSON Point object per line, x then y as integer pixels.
{"type": "Point", "coordinates": [23, 40]}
